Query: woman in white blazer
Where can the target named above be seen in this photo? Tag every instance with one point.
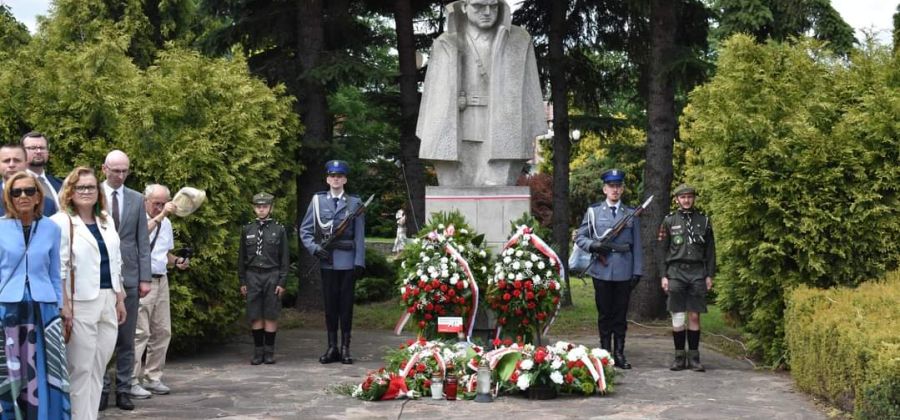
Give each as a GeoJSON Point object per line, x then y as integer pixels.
{"type": "Point", "coordinates": [98, 297]}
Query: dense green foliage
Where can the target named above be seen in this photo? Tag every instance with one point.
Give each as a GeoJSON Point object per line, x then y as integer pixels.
{"type": "Point", "coordinates": [378, 282]}
{"type": "Point", "coordinates": [185, 120]}
{"type": "Point", "coordinates": [845, 345]}
{"type": "Point", "coordinates": [796, 157]}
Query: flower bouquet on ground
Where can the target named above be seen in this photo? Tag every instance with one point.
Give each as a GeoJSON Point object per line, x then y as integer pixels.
{"type": "Point", "coordinates": [525, 287]}
{"type": "Point", "coordinates": [409, 369]}
{"type": "Point", "coordinates": [440, 281]}
{"type": "Point", "coordinates": [563, 367]}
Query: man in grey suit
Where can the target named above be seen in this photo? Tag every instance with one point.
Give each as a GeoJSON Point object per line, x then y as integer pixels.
{"type": "Point", "coordinates": [126, 206]}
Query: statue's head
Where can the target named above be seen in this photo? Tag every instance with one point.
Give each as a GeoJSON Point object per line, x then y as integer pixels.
{"type": "Point", "coordinates": [482, 13]}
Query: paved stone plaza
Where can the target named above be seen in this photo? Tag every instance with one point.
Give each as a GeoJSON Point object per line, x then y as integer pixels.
{"type": "Point", "coordinates": [222, 384]}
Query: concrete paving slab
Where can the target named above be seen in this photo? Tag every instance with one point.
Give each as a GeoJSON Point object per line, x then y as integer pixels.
{"type": "Point", "coordinates": [223, 385]}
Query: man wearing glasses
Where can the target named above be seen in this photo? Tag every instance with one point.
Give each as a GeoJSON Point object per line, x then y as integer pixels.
{"type": "Point", "coordinates": [37, 154]}
{"type": "Point", "coordinates": [126, 206]}
{"type": "Point", "coordinates": [12, 160]}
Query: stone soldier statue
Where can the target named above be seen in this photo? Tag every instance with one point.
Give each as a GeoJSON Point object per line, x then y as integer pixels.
{"type": "Point", "coordinates": [342, 261]}
{"type": "Point", "coordinates": [263, 265]}
{"type": "Point", "coordinates": [400, 240]}
{"type": "Point", "coordinates": [686, 239]}
{"type": "Point", "coordinates": [482, 105]}
{"type": "Point", "coordinates": [618, 265]}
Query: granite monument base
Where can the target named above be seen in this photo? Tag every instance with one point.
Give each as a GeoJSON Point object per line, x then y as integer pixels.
{"type": "Point", "coordinates": [488, 210]}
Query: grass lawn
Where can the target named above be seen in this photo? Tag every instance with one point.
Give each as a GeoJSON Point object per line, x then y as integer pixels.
{"type": "Point", "coordinates": [580, 319]}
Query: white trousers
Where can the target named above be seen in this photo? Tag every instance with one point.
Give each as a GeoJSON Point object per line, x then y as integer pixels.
{"type": "Point", "coordinates": [153, 333]}
{"type": "Point", "coordinates": [91, 346]}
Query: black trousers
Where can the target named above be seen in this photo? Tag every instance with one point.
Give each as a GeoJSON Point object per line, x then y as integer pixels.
{"type": "Point", "coordinates": [337, 293]}
{"type": "Point", "coordinates": [612, 298]}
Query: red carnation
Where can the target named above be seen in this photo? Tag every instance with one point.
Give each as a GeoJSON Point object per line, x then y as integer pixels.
{"type": "Point", "coordinates": [518, 284]}
{"type": "Point", "coordinates": [531, 305]}
{"type": "Point", "coordinates": [579, 363]}
{"type": "Point", "coordinates": [427, 383]}
{"type": "Point", "coordinates": [435, 283]}
{"type": "Point", "coordinates": [517, 293]}
{"type": "Point", "coordinates": [422, 341]}
{"type": "Point", "coordinates": [543, 292]}
{"type": "Point", "coordinates": [403, 364]}
{"type": "Point", "coordinates": [529, 295]}
{"type": "Point", "coordinates": [410, 342]}
{"type": "Point", "coordinates": [427, 288]}
{"type": "Point", "coordinates": [570, 365]}
{"type": "Point", "coordinates": [518, 312]}
{"type": "Point", "coordinates": [501, 284]}
{"type": "Point", "coordinates": [540, 356]}
{"type": "Point", "coordinates": [570, 378]}
{"type": "Point", "coordinates": [507, 342]}
{"type": "Point", "coordinates": [444, 288]}
{"type": "Point", "coordinates": [421, 283]}
{"type": "Point", "coordinates": [459, 285]}
{"type": "Point", "coordinates": [525, 321]}
{"type": "Point", "coordinates": [429, 307]}
{"type": "Point", "coordinates": [506, 296]}
{"type": "Point", "coordinates": [556, 300]}
{"type": "Point", "coordinates": [421, 324]}
{"type": "Point", "coordinates": [496, 342]}
{"type": "Point", "coordinates": [528, 285]}
{"type": "Point", "coordinates": [514, 377]}
{"type": "Point", "coordinates": [452, 292]}
{"type": "Point", "coordinates": [428, 316]}
{"type": "Point", "coordinates": [411, 309]}
{"type": "Point", "coordinates": [420, 367]}
{"type": "Point", "coordinates": [501, 320]}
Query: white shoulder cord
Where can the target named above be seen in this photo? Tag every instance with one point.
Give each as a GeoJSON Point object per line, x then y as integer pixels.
{"type": "Point", "coordinates": [322, 225]}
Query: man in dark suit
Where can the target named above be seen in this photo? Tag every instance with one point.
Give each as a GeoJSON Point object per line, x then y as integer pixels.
{"type": "Point", "coordinates": [37, 154]}
{"type": "Point", "coordinates": [126, 206]}
{"type": "Point", "coordinates": [12, 160]}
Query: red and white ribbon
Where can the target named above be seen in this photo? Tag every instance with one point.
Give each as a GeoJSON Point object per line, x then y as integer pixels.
{"type": "Point", "coordinates": [595, 367]}
{"type": "Point", "coordinates": [548, 252]}
{"type": "Point", "coordinates": [433, 352]}
{"type": "Point", "coordinates": [494, 356]}
{"type": "Point", "coordinates": [473, 310]}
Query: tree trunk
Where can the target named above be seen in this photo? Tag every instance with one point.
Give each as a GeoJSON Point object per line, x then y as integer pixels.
{"type": "Point", "coordinates": [312, 105]}
{"type": "Point", "coordinates": [413, 169]}
{"type": "Point", "coordinates": [648, 301]}
{"type": "Point", "coordinates": [561, 146]}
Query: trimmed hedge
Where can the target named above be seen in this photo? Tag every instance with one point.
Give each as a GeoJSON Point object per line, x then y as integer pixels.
{"type": "Point", "coordinates": [844, 345]}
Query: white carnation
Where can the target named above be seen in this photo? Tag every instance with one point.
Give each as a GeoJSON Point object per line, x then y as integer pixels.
{"type": "Point", "coordinates": [534, 257]}
{"type": "Point", "coordinates": [556, 377]}
{"type": "Point", "coordinates": [498, 269]}
{"type": "Point", "coordinates": [528, 265]}
{"type": "Point", "coordinates": [536, 279]}
{"type": "Point", "coordinates": [519, 276]}
{"type": "Point", "coordinates": [599, 353]}
{"type": "Point", "coordinates": [403, 265]}
{"type": "Point", "coordinates": [441, 226]}
{"type": "Point", "coordinates": [576, 354]}
{"type": "Point", "coordinates": [526, 364]}
{"type": "Point", "coordinates": [419, 272]}
{"type": "Point", "coordinates": [509, 251]}
{"type": "Point", "coordinates": [482, 253]}
{"type": "Point", "coordinates": [556, 285]}
{"type": "Point", "coordinates": [507, 260]}
{"type": "Point", "coordinates": [556, 364]}
{"type": "Point", "coordinates": [526, 237]}
{"type": "Point", "coordinates": [465, 284]}
{"type": "Point", "coordinates": [423, 278]}
{"type": "Point", "coordinates": [444, 260]}
{"type": "Point", "coordinates": [519, 253]}
{"type": "Point", "coordinates": [464, 231]}
{"type": "Point", "coordinates": [445, 274]}
{"type": "Point", "coordinates": [501, 276]}
{"type": "Point", "coordinates": [426, 259]}
{"type": "Point", "coordinates": [524, 381]}
{"type": "Point", "coordinates": [541, 265]}
{"type": "Point", "coordinates": [453, 281]}
{"type": "Point", "coordinates": [516, 265]}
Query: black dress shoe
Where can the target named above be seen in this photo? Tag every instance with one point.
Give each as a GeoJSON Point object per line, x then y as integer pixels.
{"type": "Point", "coordinates": [331, 355]}
{"type": "Point", "coordinates": [345, 356]}
{"type": "Point", "coordinates": [124, 402]}
{"type": "Point", "coordinates": [104, 401]}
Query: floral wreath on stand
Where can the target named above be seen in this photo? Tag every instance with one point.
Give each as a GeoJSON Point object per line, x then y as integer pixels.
{"type": "Point", "coordinates": [441, 283]}
{"type": "Point", "coordinates": [525, 288]}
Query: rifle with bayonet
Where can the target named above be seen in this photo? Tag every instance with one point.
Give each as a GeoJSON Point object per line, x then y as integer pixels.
{"type": "Point", "coordinates": [339, 230]}
{"type": "Point", "coordinates": [605, 240]}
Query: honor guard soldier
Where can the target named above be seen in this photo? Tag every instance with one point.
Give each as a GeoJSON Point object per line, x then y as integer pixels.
{"type": "Point", "coordinates": [617, 267]}
{"type": "Point", "coordinates": [687, 242]}
{"type": "Point", "coordinates": [263, 264]}
{"type": "Point", "coordinates": [339, 244]}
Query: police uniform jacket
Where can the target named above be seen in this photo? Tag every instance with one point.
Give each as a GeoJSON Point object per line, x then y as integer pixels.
{"type": "Point", "coordinates": [687, 238]}
{"type": "Point", "coordinates": [274, 253]}
{"type": "Point", "coordinates": [349, 249]}
{"type": "Point", "coordinates": [620, 266]}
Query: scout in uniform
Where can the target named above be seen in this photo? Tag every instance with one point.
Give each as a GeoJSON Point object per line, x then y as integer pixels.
{"type": "Point", "coordinates": [686, 239]}
{"type": "Point", "coordinates": [341, 260]}
{"type": "Point", "coordinates": [618, 265]}
{"type": "Point", "coordinates": [263, 263]}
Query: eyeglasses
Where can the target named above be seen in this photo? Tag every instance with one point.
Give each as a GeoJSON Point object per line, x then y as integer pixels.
{"type": "Point", "coordinates": [85, 189]}
{"type": "Point", "coordinates": [17, 192]}
{"type": "Point", "coordinates": [36, 148]}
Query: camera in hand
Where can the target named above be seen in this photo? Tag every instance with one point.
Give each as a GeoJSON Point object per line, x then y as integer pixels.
{"type": "Point", "coordinates": [185, 252]}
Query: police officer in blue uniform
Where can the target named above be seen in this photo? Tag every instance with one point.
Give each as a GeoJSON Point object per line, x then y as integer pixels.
{"type": "Point", "coordinates": [617, 265]}
{"type": "Point", "coordinates": [341, 261]}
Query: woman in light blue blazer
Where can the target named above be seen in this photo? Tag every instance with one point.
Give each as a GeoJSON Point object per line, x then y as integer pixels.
{"type": "Point", "coordinates": [35, 384]}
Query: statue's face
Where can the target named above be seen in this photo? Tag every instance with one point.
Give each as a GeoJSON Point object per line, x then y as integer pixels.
{"type": "Point", "coordinates": [483, 13]}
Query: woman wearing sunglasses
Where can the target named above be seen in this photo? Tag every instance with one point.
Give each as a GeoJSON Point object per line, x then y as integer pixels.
{"type": "Point", "coordinates": [90, 247]}
{"type": "Point", "coordinates": [31, 307]}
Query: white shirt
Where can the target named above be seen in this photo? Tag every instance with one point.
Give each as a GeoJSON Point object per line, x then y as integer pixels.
{"type": "Point", "coordinates": [43, 176]}
{"type": "Point", "coordinates": [159, 255]}
{"type": "Point", "coordinates": [107, 191]}
{"type": "Point", "coordinates": [613, 206]}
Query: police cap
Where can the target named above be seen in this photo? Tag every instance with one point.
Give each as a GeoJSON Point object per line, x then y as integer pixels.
{"type": "Point", "coordinates": [263, 198]}
{"type": "Point", "coordinates": [337, 167]}
{"type": "Point", "coordinates": [684, 189]}
{"type": "Point", "coordinates": [613, 176]}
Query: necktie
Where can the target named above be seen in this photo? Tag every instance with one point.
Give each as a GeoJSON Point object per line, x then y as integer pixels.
{"type": "Point", "coordinates": [115, 209]}
{"type": "Point", "coordinates": [48, 190]}
{"type": "Point", "coordinates": [613, 208]}
{"type": "Point", "coordinates": [335, 200]}
{"type": "Point", "coordinates": [260, 231]}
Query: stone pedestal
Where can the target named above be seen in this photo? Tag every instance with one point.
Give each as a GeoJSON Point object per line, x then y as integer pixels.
{"type": "Point", "coordinates": [489, 210]}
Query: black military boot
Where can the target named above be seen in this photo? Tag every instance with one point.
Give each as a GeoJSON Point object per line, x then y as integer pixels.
{"type": "Point", "coordinates": [345, 349]}
{"type": "Point", "coordinates": [679, 362]}
{"type": "Point", "coordinates": [269, 355]}
{"type": "Point", "coordinates": [619, 353]}
{"type": "Point", "coordinates": [605, 340]}
{"type": "Point", "coordinates": [331, 355]}
{"type": "Point", "coordinates": [693, 361]}
{"type": "Point", "coordinates": [257, 356]}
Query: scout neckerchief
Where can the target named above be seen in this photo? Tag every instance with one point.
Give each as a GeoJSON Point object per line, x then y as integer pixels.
{"type": "Point", "coordinates": [260, 227]}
